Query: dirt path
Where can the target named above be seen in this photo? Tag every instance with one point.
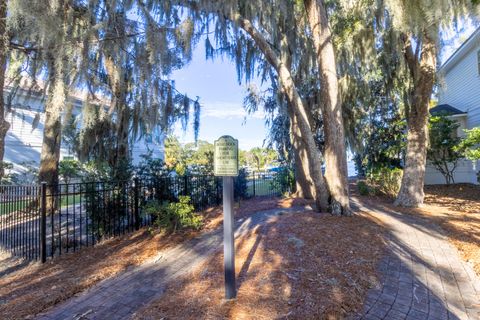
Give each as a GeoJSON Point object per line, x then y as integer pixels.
{"type": "Point", "coordinates": [422, 276]}
{"type": "Point", "coordinates": [120, 297]}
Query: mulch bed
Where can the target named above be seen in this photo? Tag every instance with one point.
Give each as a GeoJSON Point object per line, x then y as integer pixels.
{"type": "Point", "coordinates": [37, 287]}
{"type": "Point", "coordinates": [301, 265]}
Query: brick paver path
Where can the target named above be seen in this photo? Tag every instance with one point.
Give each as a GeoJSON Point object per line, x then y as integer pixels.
{"type": "Point", "coordinates": [422, 276]}
{"type": "Point", "coordinates": [120, 297]}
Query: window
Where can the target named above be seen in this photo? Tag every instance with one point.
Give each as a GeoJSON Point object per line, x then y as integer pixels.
{"type": "Point", "coordinates": [478, 61]}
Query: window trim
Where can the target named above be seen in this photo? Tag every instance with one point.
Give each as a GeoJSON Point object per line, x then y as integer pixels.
{"type": "Point", "coordinates": [478, 62]}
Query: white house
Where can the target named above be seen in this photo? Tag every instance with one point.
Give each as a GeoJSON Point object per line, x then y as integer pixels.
{"type": "Point", "coordinates": [459, 97]}
{"type": "Point", "coordinates": [23, 143]}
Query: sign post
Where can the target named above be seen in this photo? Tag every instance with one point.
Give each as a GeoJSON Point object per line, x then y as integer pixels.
{"type": "Point", "coordinates": [226, 166]}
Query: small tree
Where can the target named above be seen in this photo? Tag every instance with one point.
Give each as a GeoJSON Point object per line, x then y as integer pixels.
{"type": "Point", "coordinates": [442, 152]}
{"type": "Point", "coordinates": [470, 146]}
{"type": "Point", "coordinates": [69, 169]}
{"type": "Point", "coordinates": [260, 158]}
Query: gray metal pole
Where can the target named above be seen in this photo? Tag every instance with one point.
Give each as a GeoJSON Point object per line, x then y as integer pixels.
{"type": "Point", "coordinates": [228, 238]}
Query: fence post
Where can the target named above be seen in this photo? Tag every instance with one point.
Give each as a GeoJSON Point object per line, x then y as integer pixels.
{"type": "Point", "coordinates": [253, 174]}
{"type": "Point", "coordinates": [216, 190]}
{"type": "Point", "coordinates": [43, 224]}
{"type": "Point", "coordinates": [136, 208]}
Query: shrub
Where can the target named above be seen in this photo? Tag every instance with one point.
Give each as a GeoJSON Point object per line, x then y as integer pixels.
{"type": "Point", "coordinates": [5, 175]}
{"type": "Point", "coordinates": [363, 188]}
{"type": "Point", "coordinates": [151, 168]}
{"type": "Point", "coordinates": [240, 185]}
{"type": "Point", "coordinates": [174, 215]}
{"type": "Point", "coordinates": [385, 181]}
{"type": "Point", "coordinates": [470, 145]}
{"type": "Point", "coordinates": [442, 150]}
{"type": "Point", "coordinates": [96, 171]}
{"type": "Point", "coordinates": [284, 180]}
{"type": "Point", "coordinates": [106, 204]}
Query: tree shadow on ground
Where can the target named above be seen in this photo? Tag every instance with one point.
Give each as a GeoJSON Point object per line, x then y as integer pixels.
{"type": "Point", "coordinates": [292, 265]}
{"type": "Point", "coordinates": [411, 262]}
{"type": "Point", "coordinates": [449, 211]}
{"type": "Point", "coordinates": [29, 290]}
{"type": "Point", "coordinates": [309, 265]}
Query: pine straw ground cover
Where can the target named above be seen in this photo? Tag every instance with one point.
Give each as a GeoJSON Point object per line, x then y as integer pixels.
{"type": "Point", "coordinates": [36, 287]}
{"type": "Point", "coordinates": [456, 208]}
{"type": "Point", "coordinates": [301, 265]}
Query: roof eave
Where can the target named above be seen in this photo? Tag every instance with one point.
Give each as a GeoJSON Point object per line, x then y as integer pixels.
{"type": "Point", "coordinates": [457, 54]}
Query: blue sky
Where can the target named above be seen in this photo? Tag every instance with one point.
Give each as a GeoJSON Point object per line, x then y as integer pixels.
{"type": "Point", "coordinates": [221, 97]}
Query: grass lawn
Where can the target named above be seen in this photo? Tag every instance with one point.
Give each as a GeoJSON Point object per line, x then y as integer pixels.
{"type": "Point", "coordinates": [262, 188]}
{"type": "Point", "coordinates": [71, 199]}
{"type": "Point", "coordinates": [6, 208]}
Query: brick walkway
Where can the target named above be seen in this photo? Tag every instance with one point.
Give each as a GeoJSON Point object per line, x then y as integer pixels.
{"type": "Point", "coordinates": [122, 296]}
{"type": "Point", "coordinates": [422, 276]}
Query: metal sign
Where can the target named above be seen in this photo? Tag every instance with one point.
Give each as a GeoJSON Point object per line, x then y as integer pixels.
{"type": "Point", "coordinates": [226, 157]}
{"type": "Point", "coordinates": [226, 166]}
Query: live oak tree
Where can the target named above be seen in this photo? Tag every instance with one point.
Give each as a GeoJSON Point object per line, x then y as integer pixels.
{"type": "Point", "coordinates": [4, 125]}
{"type": "Point", "coordinates": [373, 83]}
{"type": "Point", "coordinates": [130, 61]}
{"type": "Point", "coordinates": [335, 150]}
{"type": "Point", "coordinates": [272, 27]}
{"type": "Point", "coordinates": [284, 133]}
{"type": "Point", "coordinates": [404, 38]}
{"type": "Point", "coordinates": [74, 48]}
{"type": "Point", "coordinates": [417, 25]}
{"type": "Point", "coordinates": [48, 31]}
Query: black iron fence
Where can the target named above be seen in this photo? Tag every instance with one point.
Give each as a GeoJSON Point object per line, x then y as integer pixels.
{"type": "Point", "coordinates": [41, 221]}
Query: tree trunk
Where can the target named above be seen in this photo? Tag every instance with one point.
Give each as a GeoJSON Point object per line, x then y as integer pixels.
{"type": "Point", "coordinates": [411, 191]}
{"type": "Point", "coordinates": [304, 184]}
{"type": "Point", "coordinates": [335, 153]}
{"type": "Point", "coordinates": [118, 106]}
{"type": "Point", "coordinates": [4, 125]}
{"type": "Point", "coordinates": [122, 133]}
{"type": "Point", "coordinates": [296, 103]}
{"type": "Point", "coordinates": [50, 155]}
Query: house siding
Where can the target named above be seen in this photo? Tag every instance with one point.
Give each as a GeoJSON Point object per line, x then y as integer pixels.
{"type": "Point", "coordinates": [23, 143]}
{"type": "Point", "coordinates": [464, 173]}
{"type": "Point", "coordinates": [460, 88]}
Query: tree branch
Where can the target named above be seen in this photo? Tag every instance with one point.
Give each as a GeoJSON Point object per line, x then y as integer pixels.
{"type": "Point", "coordinates": [412, 60]}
